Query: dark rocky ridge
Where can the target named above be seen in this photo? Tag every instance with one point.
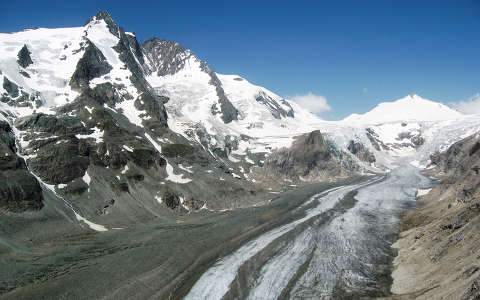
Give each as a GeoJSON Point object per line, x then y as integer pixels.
{"type": "Point", "coordinates": [105, 16]}
{"type": "Point", "coordinates": [415, 139]}
{"type": "Point", "coordinates": [92, 65]}
{"type": "Point", "coordinates": [405, 140]}
{"type": "Point", "coordinates": [24, 58]}
{"type": "Point", "coordinates": [277, 111]}
{"type": "Point", "coordinates": [19, 190]}
{"type": "Point", "coordinates": [129, 51]}
{"type": "Point", "coordinates": [229, 112]}
{"type": "Point", "coordinates": [168, 58]}
{"type": "Point", "coordinates": [10, 87]}
{"type": "Point", "coordinates": [360, 151]}
{"type": "Point", "coordinates": [165, 57]}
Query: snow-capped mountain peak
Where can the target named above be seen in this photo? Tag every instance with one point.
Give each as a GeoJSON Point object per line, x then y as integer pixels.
{"type": "Point", "coordinates": [409, 108]}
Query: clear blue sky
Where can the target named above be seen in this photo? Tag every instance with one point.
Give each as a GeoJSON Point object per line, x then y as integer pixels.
{"type": "Point", "coordinates": [331, 48]}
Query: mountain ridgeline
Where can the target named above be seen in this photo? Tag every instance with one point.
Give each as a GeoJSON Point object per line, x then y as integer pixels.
{"type": "Point", "coordinates": [100, 133]}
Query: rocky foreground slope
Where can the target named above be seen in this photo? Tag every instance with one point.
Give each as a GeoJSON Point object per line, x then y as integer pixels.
{"type": "Point", "coordinates": [439, 250]}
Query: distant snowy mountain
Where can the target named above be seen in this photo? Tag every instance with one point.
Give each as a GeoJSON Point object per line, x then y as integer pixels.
{"type": "Point", "coordinates": [411, 107]}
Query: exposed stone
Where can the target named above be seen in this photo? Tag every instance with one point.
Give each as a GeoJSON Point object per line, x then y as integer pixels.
{"type": "Point", "coordinates": [440, 239]}
{"type": "Point", "coordinates": [19, 190]}
{"type": "Point", "coordinates": [177, 150]}
{"type": "Point", "coordinates": [474, 149]}
{"type": "Point", "coordinates": [93, 64]}
{"type": "Point", "coordinates": [40, 122]}
{"type": "Point", "coordinates": [147, 158]}
{"type": "Point", "coordinates": [311, 157]}
{"type": "Point", "coordinates": [153, 105]}
{"type": "Point", "coordinates": [148, 99]}
{"type": "Point", "coordinates": [24, 58]}
{"type": "Point", "coordinates": [60, 162]}
{"type": "Point", "coordinates": [360, 151]}
{"type": "Point", "coordinates": [105, 16]}
{"type": "Point", "coordinates": [171, 199]}
{"type": "Point", "coordinates": [103, 93]}
{"type": "Point", "coordinates": [276, 110]}
{"type": "Point", "coordinates": [165, 57]}
{"type": "Point", "coordinates": [417, 141]}
{"type": "Point", "coordinates": [374, 139]}
{"type": "Point", "coordinates": [10, 87]}
{"type": "Point", "coordinates": [229, 112]}
{"type": "Point", "coordinates": [24, 74]}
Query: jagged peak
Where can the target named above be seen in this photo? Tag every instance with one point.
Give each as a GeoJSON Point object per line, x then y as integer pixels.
{"type": "Point", "coordinates": [107, 18]}
{"type": "Point", "coordinates": [166, 57]}
{"type": "Point", "coordinates": [101, 15]}
{"type": "Point", "coordinates": [167, 44]}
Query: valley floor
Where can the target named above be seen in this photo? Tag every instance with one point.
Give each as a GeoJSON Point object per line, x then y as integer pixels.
{"type": "Point", "coordinates": [329, 240]}
{"type": "Point", "coordinates": [55, 259]}
{"type": "Point", "coordinates": [340, 250]}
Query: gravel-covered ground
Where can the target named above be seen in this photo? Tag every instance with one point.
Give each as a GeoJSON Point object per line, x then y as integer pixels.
{"type": "Point", "coordinates": [46, 255]}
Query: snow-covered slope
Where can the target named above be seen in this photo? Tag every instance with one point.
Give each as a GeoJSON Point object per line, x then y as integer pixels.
{"type": "Point", "coordinates": [410, 127]}
{"type": "Point", "coordinates": [411, 107]}
{"type": "Point", "coordinates": [55, 53]}
{"type": "Point", "coordinates": [195, 93]}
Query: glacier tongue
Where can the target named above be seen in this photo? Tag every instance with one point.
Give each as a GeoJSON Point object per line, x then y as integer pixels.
{"type": "Point", "coordinates": [347, 247]}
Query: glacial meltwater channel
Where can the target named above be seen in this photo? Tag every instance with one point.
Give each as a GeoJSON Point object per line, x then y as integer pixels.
{"type": "Point", "coordinates": [340, 248]}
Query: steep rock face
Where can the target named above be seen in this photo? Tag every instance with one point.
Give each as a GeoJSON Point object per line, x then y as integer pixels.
{"type": "Point", "coordinates": [461, 163]}
{"type": "Point", "coordinates": [130, 54]}
{"type": "Point", "coordinates": [10, 87]}
{"type": "Point", "coordinates": [395, 136]}
{"type": "Point", "coordinates": [60, 160]}
{"type": "Point", "coordinates": [310, 158]}
{"type": "Point", "coordinates": [439, 247]}
{"type": "Point", "coordinates": [374, 139]}
{"type": "Point", "coordinates": [277, 111]}
{"type": "Point", "coordinates": [105, 16]}
{"type": "Point", "coordinates": [165, 57]}
{"type": "Point", "coordinates": [92, 65]}
{"type": "Point", "coordinates": [168, 58]}
{"type": "Point", "coordinates": [360, 151]}
{"type": "Point", "coordinates": [415, 139]}
{"type": "Point", "coordinates": [50, 124]}
{"type": "Point", "coordinates": [229, 112]}
{"type": "Point", "coordinates": [24, 58]}
{"type": "Point", "coordinates": [19, 190]}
